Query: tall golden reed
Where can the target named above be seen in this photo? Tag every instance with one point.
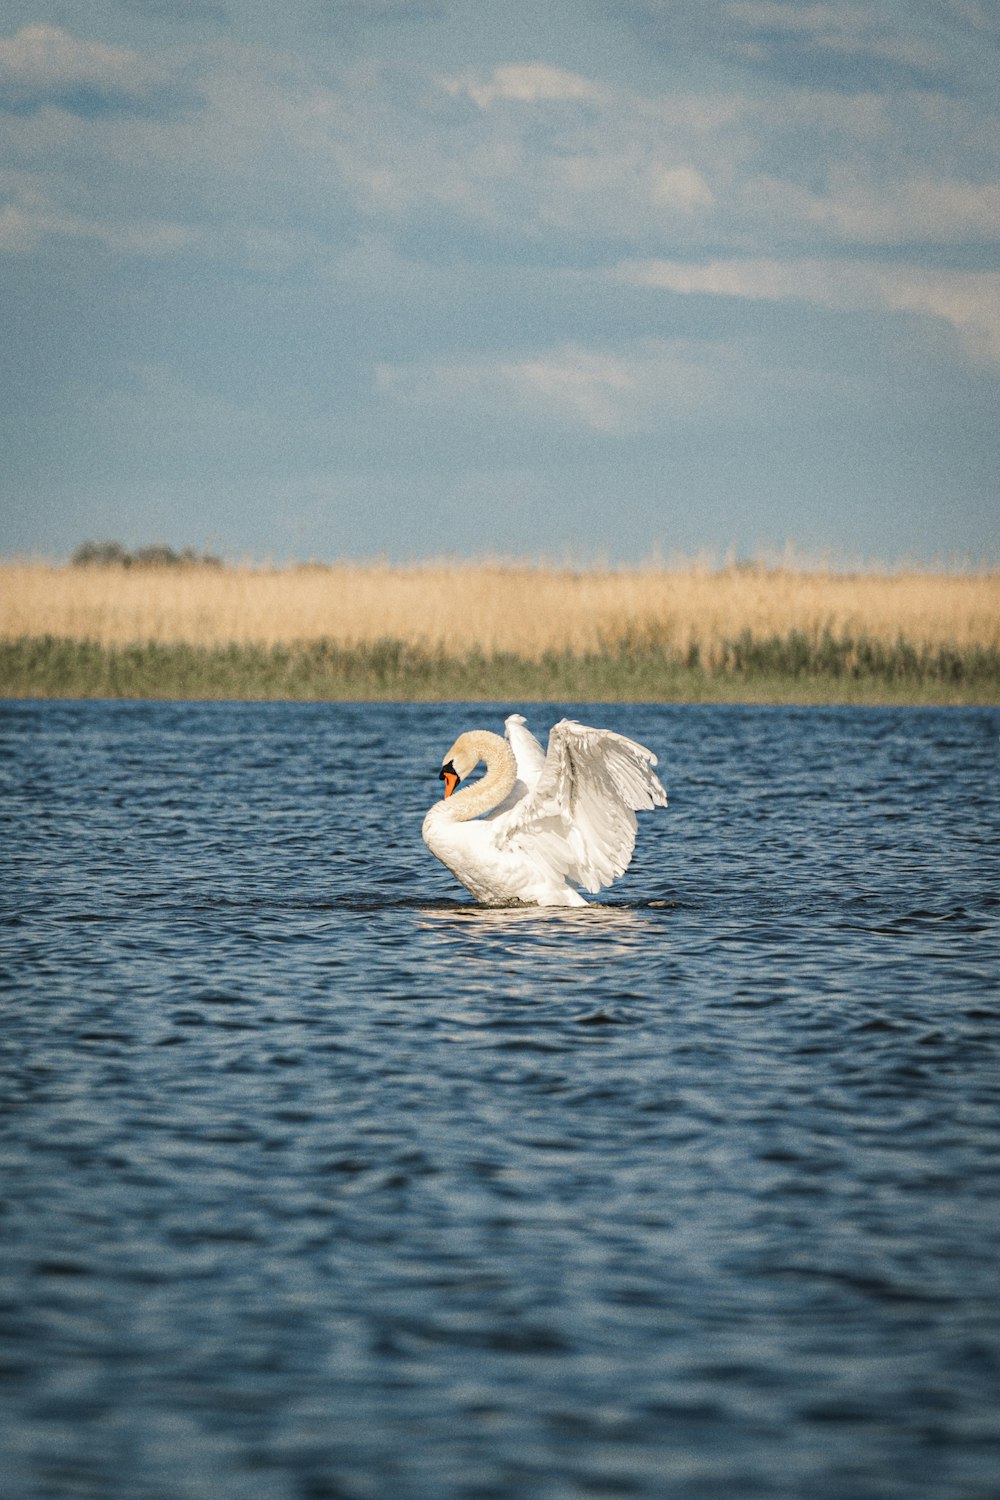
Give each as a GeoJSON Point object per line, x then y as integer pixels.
{"type": "Point", "coordinates": [522, 609]}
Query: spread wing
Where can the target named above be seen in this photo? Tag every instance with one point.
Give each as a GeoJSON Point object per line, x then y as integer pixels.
{"type": "Point", "coordinates": [579, 816]}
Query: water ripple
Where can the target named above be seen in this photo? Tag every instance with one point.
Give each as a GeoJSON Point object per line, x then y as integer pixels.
{"type": "Point", "coordinates": [319, 1181]}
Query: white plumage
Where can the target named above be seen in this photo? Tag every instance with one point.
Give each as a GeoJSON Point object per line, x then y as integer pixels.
{"type": "Point", "coordinates": [541, 826]}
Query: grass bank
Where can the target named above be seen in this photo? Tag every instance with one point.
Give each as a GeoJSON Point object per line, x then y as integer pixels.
{"type": "Point", "coordinates": [790, 669]}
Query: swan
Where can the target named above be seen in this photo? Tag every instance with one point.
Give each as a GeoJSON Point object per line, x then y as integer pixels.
{"type": "Point", "coordinates": [541, 823]}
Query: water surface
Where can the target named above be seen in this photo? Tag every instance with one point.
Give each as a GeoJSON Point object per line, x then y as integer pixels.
{"type": "Point", "coordinates": [319, 1181]}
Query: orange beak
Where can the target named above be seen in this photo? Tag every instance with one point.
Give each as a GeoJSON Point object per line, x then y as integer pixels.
{"type": "Point", "coordinates": [450, 782]}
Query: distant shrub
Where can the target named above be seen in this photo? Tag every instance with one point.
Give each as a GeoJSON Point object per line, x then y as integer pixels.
{"type": "Point", "coordinates": [158, 555]}
{"type": "Point", "coordinates": [100, 555]}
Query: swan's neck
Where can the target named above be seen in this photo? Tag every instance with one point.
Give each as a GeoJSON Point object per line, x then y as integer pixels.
{"type": "Point", "coordinates": [501, 773]}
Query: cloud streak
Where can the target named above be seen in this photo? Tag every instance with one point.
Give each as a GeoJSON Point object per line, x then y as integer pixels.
{"type": "Point", "coordinates": [619, 393]}
{"type": "Point", "coordinates": [848, 47]}
{"type": "Point", "coordinates": [43, 65]}
{"type": "Point", "coordinates": [528, 83]}
{"type": "Point", "coordinates": [529, 154]}
{"type": "Point", "coordinates": [968, 301]}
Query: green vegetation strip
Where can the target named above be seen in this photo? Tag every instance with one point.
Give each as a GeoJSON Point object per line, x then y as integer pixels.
{"type": "Point", "coordinates": [790, 669]}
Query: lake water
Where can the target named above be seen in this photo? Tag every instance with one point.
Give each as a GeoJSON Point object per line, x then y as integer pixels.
{"type": "Point", "coordinates": [320, 1183]}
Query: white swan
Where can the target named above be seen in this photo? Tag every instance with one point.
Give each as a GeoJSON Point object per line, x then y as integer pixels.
{"type": "Point", "coordinates": [552, 820]}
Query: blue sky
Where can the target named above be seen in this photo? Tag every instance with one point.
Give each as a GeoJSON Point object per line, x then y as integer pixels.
{"type": "Point", "coordinates": [581, 281]}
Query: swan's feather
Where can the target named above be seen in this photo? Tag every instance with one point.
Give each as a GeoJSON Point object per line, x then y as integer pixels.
{"type": "Point", "coordinates": [528, 752]}
{"type": "Point", "coordinates": [578, 818]}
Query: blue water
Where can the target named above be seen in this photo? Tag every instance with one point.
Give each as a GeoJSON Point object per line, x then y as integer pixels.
{"type": "Point", "coordinates": [319, 1183]}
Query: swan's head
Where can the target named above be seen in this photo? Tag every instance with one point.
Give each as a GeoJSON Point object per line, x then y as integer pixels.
{"type": "Point", "coordinates": [463, 758]}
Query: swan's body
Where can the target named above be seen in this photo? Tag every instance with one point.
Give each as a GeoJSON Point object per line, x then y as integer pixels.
{"type": "Point", "coordinates": [540, 824]}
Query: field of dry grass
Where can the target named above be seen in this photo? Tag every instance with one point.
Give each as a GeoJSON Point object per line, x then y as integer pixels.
{"type": "Point", "coordinates": [494, 608]}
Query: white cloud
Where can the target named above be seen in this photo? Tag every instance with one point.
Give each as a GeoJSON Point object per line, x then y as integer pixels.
{"type": "Point", "coordinates": [975, 15]}
{"type": "Point", "coordinates": [617, 393]}
{"type": "Point", "coordinates": [876, 169]}
{"type": "Point", "coordinates": [602, 391]}
{"type": "Point", "coordinates": [969, 301]}
{"type": "Point", "coordinates": [682, 187]}
{"type": "Point", "coordinates": [21, 231]}
{"type": "Point", "coordinates": [16, 234]}
{"type": "Point", "coordinates": [42, 61]}
{"type": "Point", "coordinates": [295, 158]}
{"type": "Point", "coordinates": [528, 83]}
{"type": "Point", "coordinates": [822, 19]}
{"type": "Point", "coordinates": [850, 30]}
{"type": "Point", "coordinates": [846, 44]}
{"type": "Point", "coordinates": [30, 216]}
{"type": "Point", "coordinates": [911, 209]}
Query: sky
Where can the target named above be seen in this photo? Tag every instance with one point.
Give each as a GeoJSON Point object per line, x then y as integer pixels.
{"type": "Point", "coordinates": [576, 281]}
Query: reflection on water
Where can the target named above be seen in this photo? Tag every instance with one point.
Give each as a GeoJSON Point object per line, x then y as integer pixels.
{"type": "Point", "coordinates": [319, 1181]}
{"type": "Point", "coordinates": [600, 922]}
